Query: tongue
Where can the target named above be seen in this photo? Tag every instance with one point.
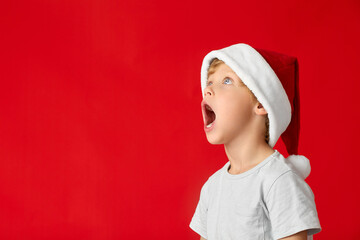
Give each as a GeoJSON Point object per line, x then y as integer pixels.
{"type": "Point", "coordinates": [211, 118]}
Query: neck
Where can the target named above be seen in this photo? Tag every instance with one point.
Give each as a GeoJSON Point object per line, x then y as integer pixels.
{"type": "Point", "coordinates": [244, 155]}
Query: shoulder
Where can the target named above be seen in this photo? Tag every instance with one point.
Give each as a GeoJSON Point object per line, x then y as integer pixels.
{"type": "Point", "coordinates": [274, 168]}
{"type": "Point", "coordinates": [214, 179]}
{"type": "Point", "coordinates": [277, 170]}
{"type": "Point", "coordinates": [289, 200]}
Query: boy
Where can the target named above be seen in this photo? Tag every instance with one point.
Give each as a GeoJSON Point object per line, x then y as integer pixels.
{"type": "Point", "coordinates": [250, 98]}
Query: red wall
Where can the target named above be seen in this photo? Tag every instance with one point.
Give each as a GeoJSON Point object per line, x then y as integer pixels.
{"type": "Point", "coordinates": [101, 133]}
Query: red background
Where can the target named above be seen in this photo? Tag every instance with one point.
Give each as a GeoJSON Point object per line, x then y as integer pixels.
{"type": "Point", "coordinates": [101, 133]}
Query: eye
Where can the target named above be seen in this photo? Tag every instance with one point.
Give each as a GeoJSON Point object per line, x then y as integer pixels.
{"type": "Point", "coordinates": [227, 81]}
{"type": "Point", "coordinates": [208, 83]}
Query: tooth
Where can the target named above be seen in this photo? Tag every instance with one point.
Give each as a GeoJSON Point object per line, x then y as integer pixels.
{"type": "Point", "coordinates": [209, 125]}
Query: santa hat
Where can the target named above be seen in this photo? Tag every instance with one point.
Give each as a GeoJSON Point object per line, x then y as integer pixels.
{"type": "Point", "coordinates": [274, 79]}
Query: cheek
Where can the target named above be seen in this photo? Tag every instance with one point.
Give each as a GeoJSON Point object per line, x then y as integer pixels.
{"type": "Point", "coordinates": [235, 109]}
{"type": "Point", "coordinates": [234, 104]}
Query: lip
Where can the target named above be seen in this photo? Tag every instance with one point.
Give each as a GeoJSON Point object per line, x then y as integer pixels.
{"type": "Point", "coordinates": [207, 129]}
{"type": "Point", "coordinates": [210, 128]}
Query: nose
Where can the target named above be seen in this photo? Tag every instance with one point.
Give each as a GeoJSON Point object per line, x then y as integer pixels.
{"type": "Point", "coordinates": [208, 91]}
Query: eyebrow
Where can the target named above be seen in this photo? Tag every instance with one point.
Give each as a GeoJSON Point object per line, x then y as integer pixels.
{"type": "Point", "coordinates": [236, 78]}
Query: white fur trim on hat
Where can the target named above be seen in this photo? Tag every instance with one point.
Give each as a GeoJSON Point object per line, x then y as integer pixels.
{"type": "Point", "coordinates": [260, 78]}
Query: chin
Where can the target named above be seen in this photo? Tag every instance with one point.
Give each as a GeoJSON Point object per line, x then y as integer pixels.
{"type": "Point", "coordinates": [214, 141]}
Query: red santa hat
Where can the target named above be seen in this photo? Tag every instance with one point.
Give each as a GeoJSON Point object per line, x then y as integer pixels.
{"type": "Point", "coordinates": [274, 79]}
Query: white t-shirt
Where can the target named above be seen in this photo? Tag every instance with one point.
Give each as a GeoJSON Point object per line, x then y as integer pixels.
{"type": "Point", "coordinates": [269, 201]}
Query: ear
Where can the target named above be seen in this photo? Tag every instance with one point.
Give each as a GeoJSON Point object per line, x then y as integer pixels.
{"type": "Point", "coordinates": [259, 109]}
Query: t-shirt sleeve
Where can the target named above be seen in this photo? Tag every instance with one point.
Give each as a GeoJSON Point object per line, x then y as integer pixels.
{"type": "Point", "coordinates": [199, 220]}
{"type": "Point", "coordinates": [291, 205]}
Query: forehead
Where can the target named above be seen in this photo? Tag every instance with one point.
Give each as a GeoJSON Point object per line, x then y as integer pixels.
{"type": "Point", "coordinates": [222, 70]}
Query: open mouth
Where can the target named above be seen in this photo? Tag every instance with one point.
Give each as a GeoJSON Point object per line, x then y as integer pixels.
{"type": "Point", "coordinates": [209, 115]}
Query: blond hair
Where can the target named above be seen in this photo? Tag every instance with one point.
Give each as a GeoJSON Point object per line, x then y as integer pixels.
{"type": "Point", "coordinates": [214, 64]}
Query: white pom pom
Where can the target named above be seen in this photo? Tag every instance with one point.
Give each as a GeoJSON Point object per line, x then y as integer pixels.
{"type": "Point", "coordinates": [300, 164]}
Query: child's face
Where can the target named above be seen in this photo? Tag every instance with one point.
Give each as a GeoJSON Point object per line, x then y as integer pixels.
{"type": "Point", "coordinates": [232, 106]}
